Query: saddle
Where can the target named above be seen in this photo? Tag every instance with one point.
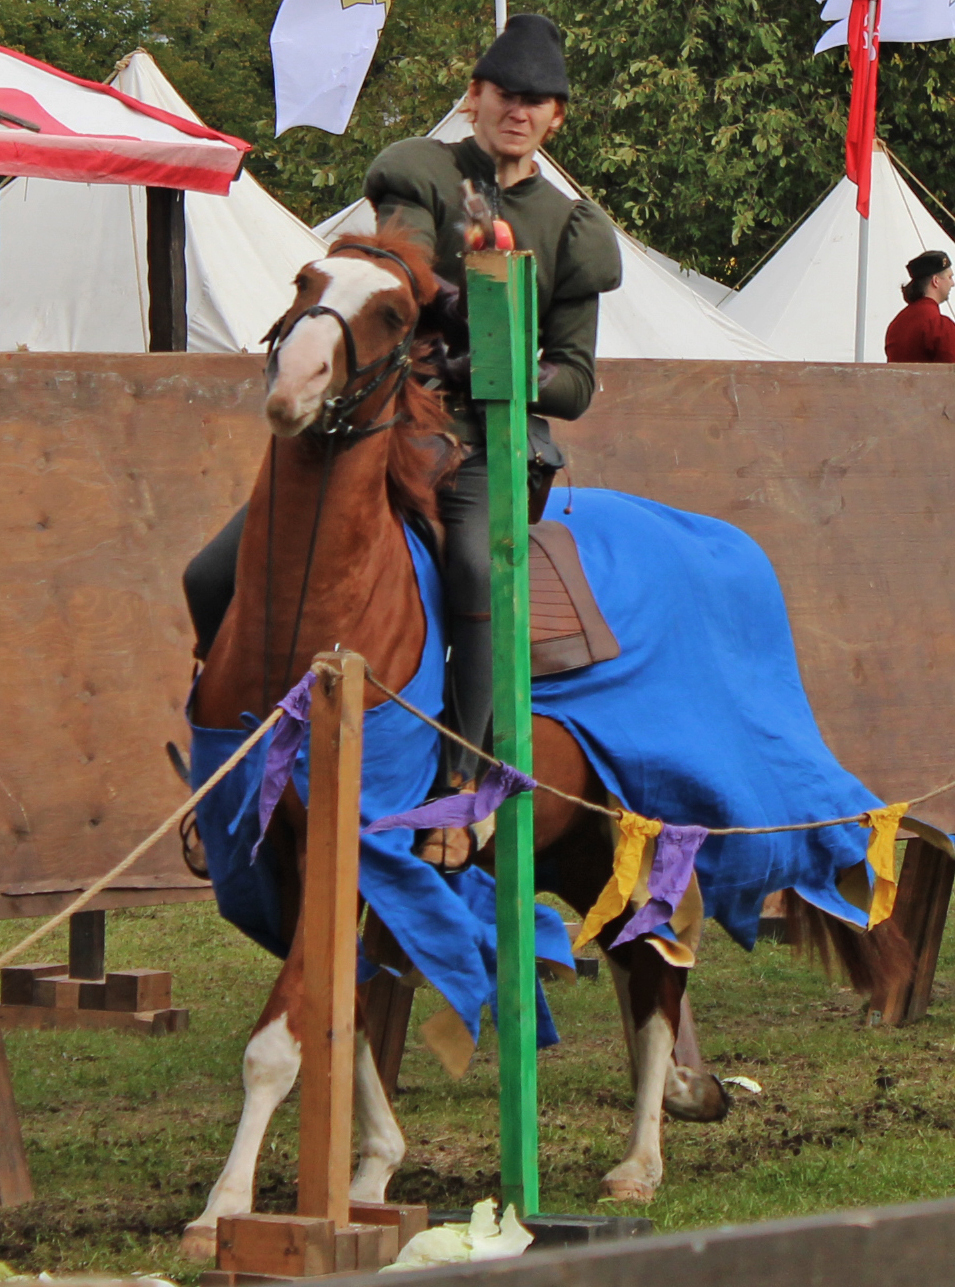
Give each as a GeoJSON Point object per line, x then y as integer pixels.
{"type": "Point", "coordinates": [567, 628]}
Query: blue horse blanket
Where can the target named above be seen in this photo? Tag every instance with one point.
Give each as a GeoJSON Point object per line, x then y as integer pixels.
{"type": "Point", "coordinates": [702, 718]}
{"type": "Point", "coordinates": [445, 924]}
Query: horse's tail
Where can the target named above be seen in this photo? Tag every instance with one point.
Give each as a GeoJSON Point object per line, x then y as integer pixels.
{"type": "Point", "coordinates": [874, 961]}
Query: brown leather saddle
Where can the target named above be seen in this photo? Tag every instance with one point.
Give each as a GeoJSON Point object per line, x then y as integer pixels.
{"type": "Point", "coordinates": [567, 628]}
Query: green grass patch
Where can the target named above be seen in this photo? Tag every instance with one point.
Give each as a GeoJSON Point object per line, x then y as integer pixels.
{"type": "Point", "coordinates": [125, 1134]}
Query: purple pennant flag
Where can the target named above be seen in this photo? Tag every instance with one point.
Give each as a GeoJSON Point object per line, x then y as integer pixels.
{"type": "Point", "coordinates": [283, 748]}
{"type": "Point", "coordinates": [670, 874]}
{"type": "Point", "coordinates": [463, 809]}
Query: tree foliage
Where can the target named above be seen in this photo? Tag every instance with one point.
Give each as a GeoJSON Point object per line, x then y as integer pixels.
{"type": "Point", "coordinates": [706, 127]}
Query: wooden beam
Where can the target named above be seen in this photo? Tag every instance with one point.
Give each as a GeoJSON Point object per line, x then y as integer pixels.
{"type": "Point", "coordinates": [88, 946]}
{"type": "Point", "coordinates": [502, 308]}
{"type": "Point", "coordinates": [15, 1184]}
{"type": "Point", "coordinates": [329, 925]}
{"type": "Point", "coordinates": [166, 268]}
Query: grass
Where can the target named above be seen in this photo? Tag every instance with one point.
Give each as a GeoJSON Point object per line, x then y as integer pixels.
{"type": "Point", "coordinates": [125, 1135]}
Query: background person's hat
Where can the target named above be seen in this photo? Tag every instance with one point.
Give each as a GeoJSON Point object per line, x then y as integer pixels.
{"type": "Point", "coordinates": [928, 263]}
{"type": "Point", "coordinates": [526, 58]}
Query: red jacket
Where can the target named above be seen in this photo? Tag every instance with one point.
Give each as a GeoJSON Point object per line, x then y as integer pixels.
{"type": "Point", "coordinates": [920, 334]}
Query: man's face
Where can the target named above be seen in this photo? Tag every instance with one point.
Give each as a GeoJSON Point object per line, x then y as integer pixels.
{"type": "Point", "coordinates": [943, 283]}
{"type": "Point", "coordinates": [511, 125]}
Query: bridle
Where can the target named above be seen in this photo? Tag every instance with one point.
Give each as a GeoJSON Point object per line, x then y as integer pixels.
{"type": "Point", "coordinates": [335, 415]}
{"type": "Point", "coordinates": [334, 423]}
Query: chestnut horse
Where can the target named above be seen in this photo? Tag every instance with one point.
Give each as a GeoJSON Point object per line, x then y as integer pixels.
{"type": "Point", "coordinates": [347, 459]}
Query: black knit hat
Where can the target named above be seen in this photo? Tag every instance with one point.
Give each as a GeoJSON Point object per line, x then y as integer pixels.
{"type": "Point", "coordinates": [927, 264]}
{"type": "Point", "coordinates": [526, 58]}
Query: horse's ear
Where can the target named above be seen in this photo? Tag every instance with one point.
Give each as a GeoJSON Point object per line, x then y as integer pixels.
{"type": "Point", "coordinates": [272, 334]}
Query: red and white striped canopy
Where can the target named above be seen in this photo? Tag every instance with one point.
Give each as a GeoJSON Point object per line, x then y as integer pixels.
{"type": "Point", "coordinates": [56, 126]}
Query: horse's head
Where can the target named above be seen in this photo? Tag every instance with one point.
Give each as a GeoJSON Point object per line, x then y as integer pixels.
{"type": "Point", "coordinates": [343, 349]}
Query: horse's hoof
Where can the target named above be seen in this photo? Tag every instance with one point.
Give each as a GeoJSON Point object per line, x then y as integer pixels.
{"type": "Point", "coordinates": [628, 1188]}
{"type": "Point", "coordinates": [198, 1242]}
{"type": "Point", "coordinates": [695, 1097]}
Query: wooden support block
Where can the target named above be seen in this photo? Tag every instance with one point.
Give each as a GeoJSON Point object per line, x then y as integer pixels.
{"type": "Point", "coordinates": [92, 994]}
{"type": "Point", "coordinates": [16, 981]}
{"type": "Point", "coordinates": [58, 991]}
{"type": "Point", "coordinates": [407, 1219]}
{"type": "Point", "coordinates": [15, 1185]}
{"type": "Point", "coordinates": [921, 906]}
{"type": "Point", "coordinates": [148, 1023]}
{"type": "Point", "coordinates": [287, 1246]}
{"type": "Point", "coordinates": [138, 990]}
{"type": "Point", "coordinates": [357, 1247]}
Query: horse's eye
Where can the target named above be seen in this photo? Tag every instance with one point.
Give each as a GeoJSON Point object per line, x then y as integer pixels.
{"type": "Point", "coordinates": [394, 318]}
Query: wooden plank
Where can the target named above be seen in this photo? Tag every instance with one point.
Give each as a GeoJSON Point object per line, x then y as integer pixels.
{"type": "Point", "coordinates": [166, 268]}
{"type": "Point", "coordinates": [921, 906]}
{"type": "Point", "coordinates": [88, 946]}
{"type": "Point", "coordinates": [99, 514]}
{"type": "Point", "coordinates": [328, 917]}
{"type": "Point", "coordinates": [502, 293]}
{"type": "Point", "coordinates": [149, 1023]}
{"type": "Point", "coordinates": [15, 1183]}
{"type": "Point", "coordinates": [902, 1246]}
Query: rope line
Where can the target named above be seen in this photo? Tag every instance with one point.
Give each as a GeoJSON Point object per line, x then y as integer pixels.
{"type": "Point", "coordinates": [99, 885]}
{"type": "Point", "coordinates": [616, 814]}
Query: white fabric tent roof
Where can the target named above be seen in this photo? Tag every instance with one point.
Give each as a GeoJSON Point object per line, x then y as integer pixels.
{"type": "Point", "coordinates": [803, 301]}
{"type": "Point", "coordinates": [654, 314]}
{"type": "Point", "coordinates": [242, 252]}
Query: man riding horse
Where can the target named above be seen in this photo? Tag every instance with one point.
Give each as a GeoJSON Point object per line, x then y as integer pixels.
{"type": "Point", "coordinates": [516, 101]}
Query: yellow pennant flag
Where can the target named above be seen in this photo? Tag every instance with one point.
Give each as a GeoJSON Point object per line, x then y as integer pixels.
{"type": "Point", "coordinates": [635, 831]}
{"type": "Point", "coordinates": [881, 855]}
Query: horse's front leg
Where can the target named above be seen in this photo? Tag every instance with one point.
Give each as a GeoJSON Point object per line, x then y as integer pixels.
{"type": "Point", "coordinates": [649, 992]}
{"type": "Point", "coordinates": [269, 1068]}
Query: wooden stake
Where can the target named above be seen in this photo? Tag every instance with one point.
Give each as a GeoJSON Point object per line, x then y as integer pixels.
{"type": "Point", "coordinates": [329, 912]}
{"type": "Point", "coordinates": [502, 309]}
{"type": "Point", "coordinates": [15, 1185]}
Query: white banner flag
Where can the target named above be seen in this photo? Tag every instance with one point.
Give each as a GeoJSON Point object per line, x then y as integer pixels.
{"type": "Point", "coordinates": [903, 21]}
{"type": "Point", "coordinates": [321, 52]}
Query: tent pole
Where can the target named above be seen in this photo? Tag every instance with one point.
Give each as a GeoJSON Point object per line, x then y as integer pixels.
{"type": "Point", "coordinates": [862, 287]}
{"type": "Point", "coordinates": [166, 266]}
{"type": "Point", "coordinates": [500, 16]}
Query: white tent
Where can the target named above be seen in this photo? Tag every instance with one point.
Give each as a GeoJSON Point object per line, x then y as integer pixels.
{"type": "Point", "coordinates": [803, 301]}
{"type": "Point", "coordinates": [73, 256]}
{"type": "Point", "coordinates": [656, 313]}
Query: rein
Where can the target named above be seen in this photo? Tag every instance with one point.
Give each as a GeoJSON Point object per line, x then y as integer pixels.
{"type": "Point", "coordinates": [333, 422]}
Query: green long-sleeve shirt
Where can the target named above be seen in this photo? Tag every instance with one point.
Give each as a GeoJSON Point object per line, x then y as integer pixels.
{"type": "Point", "coordinates": [419, 181]}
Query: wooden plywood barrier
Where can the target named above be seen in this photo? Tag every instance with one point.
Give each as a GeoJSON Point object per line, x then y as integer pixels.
{"type": "Point", "coordinates": [114, 470]}
{"type": "Point", "coordinates": [844, 475]}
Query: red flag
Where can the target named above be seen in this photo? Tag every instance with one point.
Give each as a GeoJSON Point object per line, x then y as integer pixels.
{"type": "Point", "coordinates": [865, 68]}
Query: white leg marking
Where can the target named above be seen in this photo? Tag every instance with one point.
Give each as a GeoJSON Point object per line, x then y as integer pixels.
{"type": "Point", "coordinates": [269, 1069]}
{"type": "Point", "coordinates": [639, 1174]}
{"type": "Point", "coordinates": [382, 1145]}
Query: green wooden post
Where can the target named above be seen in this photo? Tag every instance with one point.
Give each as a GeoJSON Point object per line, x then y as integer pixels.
{"type": "Point", "coordinates": [502, 312]}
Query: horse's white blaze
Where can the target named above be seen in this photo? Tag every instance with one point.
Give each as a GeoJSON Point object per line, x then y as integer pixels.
{"type": "Point", "coordinates": [382, 1145]}
{"type": "Point", "coordinates": [304, 360]}
{"type": "Point", "coordinates": [271, 1064]}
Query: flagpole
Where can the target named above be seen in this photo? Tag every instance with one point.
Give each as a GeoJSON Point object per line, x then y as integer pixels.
{"type": "Point", "coordinates": [862, 280]}
{"type": "Point", "coordinates": [500, 16]}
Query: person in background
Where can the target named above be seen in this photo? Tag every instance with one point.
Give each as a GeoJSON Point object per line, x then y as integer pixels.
{"type": "Point", "coordinates": [920, 333]}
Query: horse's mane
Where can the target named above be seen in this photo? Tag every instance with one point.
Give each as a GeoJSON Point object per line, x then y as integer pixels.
{"type": "Point", "coordinates": [422, 455]}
